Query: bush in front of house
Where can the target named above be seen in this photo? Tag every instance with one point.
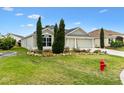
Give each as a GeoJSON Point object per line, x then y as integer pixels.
{"type": "Point", "coordinates": [7, 43]}
{"type": "Point", "coordinates": [66, 50]}
{"type": "Point", "coordinates": [76, 50]}
{"type": "Point", "coordinates": [97, 51]}
{"type": "Point", "coordinates": [116, 44]}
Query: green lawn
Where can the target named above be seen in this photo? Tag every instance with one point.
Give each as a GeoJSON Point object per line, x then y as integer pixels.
{"type": "Point", "coordinates": [119, 49]}
{"type": "Point", "coordinates": [74, 69]}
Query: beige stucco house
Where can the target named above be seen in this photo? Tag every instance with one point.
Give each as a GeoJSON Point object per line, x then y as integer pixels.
{"type": "Point", "coordinates": [74, 38]}
{"type": "Point", "coordinates": [108, 35]}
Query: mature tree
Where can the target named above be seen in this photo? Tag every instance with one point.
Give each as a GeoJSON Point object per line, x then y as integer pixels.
{"type": "Point", "coordinates": [55, 45]}
{"type": "Point", "coordinates": [39, 34]}
{"type": "Point", "coordinates": [59, 38]}
{"type": "Point", "coordinates": [102, 38]}
{"type": "Point", "coordinates": [61, 35]}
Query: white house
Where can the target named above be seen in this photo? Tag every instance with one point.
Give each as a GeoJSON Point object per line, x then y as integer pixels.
{"type": "Point", "coordinates": [108, 34]}
{"type": "Point", "coordinates": [74, 38]}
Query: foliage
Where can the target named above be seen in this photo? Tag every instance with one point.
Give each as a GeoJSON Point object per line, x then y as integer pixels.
{"type": "Point", "coordinates": [102, 38]}
{"type": "Point", "coordinates": [7, 43]}
{"type": "Point", "coordinates": [59, 38]}
{"type": "Point", "coordinates": [116, 44]}
{"type": "Point", "coordinates": [97, 51]}
{"type": "Point", "coordinates": [85, 50]}
{"type": "Point", "coordinates": [39, 34]}
{"type": "Point", "coordinates": [67, 49]}
{"type": "Point", "coordinates": [76, 50]}
{"type": "Point", "coordinates": [55, 42]}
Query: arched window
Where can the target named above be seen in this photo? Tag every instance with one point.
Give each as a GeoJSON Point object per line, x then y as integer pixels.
{"type": "Point", "coordinates": [46, 40]}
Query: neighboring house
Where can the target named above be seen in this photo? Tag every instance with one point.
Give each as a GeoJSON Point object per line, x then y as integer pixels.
{"type": "Point", "coordinates": [74, 38]}
{"type": "Point", "coordinates": [108, 35]}
{"type": "Point", "coordinates": [15, 36]}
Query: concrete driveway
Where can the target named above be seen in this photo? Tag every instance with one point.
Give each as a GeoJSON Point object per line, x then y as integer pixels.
{"type": "Point", "coordinates": [111, 52]}
{"type": "Point", "coordinates": [7, 54]}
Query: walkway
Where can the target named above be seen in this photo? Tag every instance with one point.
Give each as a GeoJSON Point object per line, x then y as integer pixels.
{"type": "Point", "coordinates": [7, 54]}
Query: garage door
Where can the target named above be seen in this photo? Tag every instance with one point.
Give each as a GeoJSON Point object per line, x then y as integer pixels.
{"type": "Point", "coordinates": [70, 42]}
{"type": "Point", "coordinates": [84, 43]}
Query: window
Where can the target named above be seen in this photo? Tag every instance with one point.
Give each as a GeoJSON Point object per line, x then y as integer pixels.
{"type": "Point", "coordinates": [110, 40]}
{"type": "Point", "coordinates": [46, 40]}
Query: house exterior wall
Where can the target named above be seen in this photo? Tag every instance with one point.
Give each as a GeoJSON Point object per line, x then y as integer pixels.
{"type": "Point", "coordinates": [97, 42]}
{"type": "Point", "coordinates": [76, 39]}
{"type": "Point", "coordinates": [28, 43]}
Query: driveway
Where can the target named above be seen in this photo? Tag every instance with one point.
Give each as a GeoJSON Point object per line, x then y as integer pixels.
{"type": "Point", "coordinates": [111, 52]}
{"type": "Point", "coordinates": [7, 54]}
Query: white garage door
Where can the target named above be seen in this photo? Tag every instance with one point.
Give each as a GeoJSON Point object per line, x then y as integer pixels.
{"type": "Point", "coordinates": [70, 42]}
{"type": "Point", "coordinates": [84, 43]}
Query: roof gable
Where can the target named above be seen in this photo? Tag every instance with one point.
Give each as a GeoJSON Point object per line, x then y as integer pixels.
{"type": "Point", "coordinates": [77, 32]}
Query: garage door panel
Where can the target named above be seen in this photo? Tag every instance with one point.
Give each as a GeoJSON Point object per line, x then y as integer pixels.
{"type": "Point", "coordinates": [70, 42]}
{"type": "Point", "coordinates": [84, 43]}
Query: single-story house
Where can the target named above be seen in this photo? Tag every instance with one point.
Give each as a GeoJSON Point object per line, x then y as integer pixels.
{"type": "Point", "coordinates": [18, 38]}
{"type": "Point", "coordinates": [108, 35]}
{"type": "Point", "coordinates": [74, 38]}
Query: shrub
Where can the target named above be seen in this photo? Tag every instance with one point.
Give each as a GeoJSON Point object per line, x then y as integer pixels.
{"type": "Point", "coordinates": [85, 50]}
{"type": "Point", "coordinates": [116, 44]}
{"type": "Point", "coordinates": [47, 53]}
{"type": "Point", "coordinates": [47, 50]}
{"type": "Point", "coordinates": [76, 50]}
{"type": "Point", "coordinates": [97, 51]}
{"type": "Point", "coordinates": [7, 43]}
{"type": "Point", "coordinates": [67, 49]}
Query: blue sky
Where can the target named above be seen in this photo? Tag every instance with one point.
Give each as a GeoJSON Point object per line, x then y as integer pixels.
{"type": "Point", "coordinates": [22, 21]}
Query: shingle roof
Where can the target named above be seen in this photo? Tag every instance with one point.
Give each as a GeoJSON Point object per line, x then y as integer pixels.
{"type": "Point", "coordinates": [15, 35]}
{"type": "Point", "coordinates": [52, 27]}
{"type": "Point", "coordinates": [69, 30]}
{"type": "Point", "coordinates": [96, 33]}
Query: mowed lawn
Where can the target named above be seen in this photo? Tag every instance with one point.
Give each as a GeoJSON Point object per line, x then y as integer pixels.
{"type": "Point", "coordinates": [74, 69]}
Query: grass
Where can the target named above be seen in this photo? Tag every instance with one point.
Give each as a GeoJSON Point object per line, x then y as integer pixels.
{"type": "Point", "coordinates": [119, 49]}
{"type": "Point", "coordinates": [74, 69]}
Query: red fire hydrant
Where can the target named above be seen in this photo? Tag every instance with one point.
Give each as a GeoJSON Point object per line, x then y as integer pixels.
{"type": "Point", "coordinates": [102, 65]}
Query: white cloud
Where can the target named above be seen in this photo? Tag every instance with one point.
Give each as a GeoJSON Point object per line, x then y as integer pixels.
{"type": "Point", "coordinates": [8, 9]}
{"type": "Point", "coordinates": [34, 16]}
{"type": "Point", "coordinates": [27, 26]}
{"type": "Point", "coordinates": [103, 11]}
{"type": "Point", "coordinates": [19, 14]}
{"type": "Point", "coordinates": [77, 23]}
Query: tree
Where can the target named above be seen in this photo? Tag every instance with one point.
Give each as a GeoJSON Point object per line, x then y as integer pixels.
{"type": "Point", "coordinates": [7, 43]}
{"type": "Point", "coordinates": [102, 38]}
{"type": "Point", "coordinates": [39, 34]}
{"type": "Point", "coordinates": [59, 38]}
{"type": "Point", "coordinates": [61, 35]}
{"type": "Point", "coordinates": [55, 45]}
